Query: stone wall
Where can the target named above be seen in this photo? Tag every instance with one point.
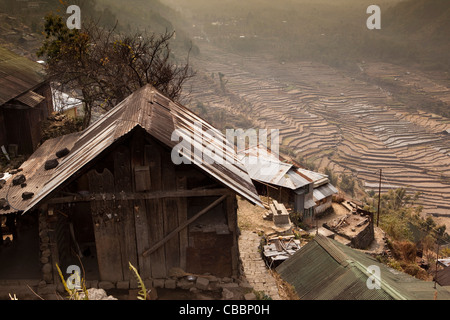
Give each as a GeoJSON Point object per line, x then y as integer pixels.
{"type": "Point", "coordinates": [50, 282]}
{"type": "Point", "coordinates": [357, 228]}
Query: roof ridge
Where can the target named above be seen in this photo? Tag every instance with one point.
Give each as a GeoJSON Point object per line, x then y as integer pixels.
{"type": "Point", "coordinates": [335, 252]}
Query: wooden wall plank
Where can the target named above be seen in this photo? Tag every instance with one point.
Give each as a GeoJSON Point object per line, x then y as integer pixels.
{"type": "Point", "coordinates": [142, 238]}
{"type": "Point", "coordinates": [155, 216]}
{"type": "Point", "coordinates": [172, 247]}
{"type": "Point", "coordinates": [140, 216]}
{"type": "Point", "coordinates": [182, 218]}
{"type": "Point", "coordinates": [106, 238]}
{"type": "Point", "coordinates": [126, 225]}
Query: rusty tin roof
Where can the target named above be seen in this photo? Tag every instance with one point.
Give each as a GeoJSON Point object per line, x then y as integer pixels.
{"type": "Point", "coordinates": [159, 116]}
{"type": "Point", "coordinates": [18, 75]}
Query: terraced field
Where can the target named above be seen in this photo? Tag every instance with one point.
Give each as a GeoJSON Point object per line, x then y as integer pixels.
{"type": "Point", "coordinates": [336, 120]}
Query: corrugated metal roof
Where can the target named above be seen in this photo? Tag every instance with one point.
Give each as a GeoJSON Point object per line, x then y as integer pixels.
{"type": "Point", "coordinates": [444, 262]}
{"type": "Point", "coordinates": [326, 269]}
{"type": "Point", "coordinates": [443, 276]}
{"type": "Point", "coordinates": [34, 172]}
{"type": "Point", "coordinates": [63, 101]}
{"type": "Point", "coordinates": [17, 75]}
{"type": "Point", "coordinates": [309, 204]}
{"type": "Point", "coordinates": [324, 191]}
{"type": "Point", "coordinates": [159, 116]}
{"type": "Point", "coordinates": [30, 99]}
{"type": "Point", "coordinates": [265, 166]}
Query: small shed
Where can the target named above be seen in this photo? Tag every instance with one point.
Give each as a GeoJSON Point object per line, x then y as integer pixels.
{"type": "Point", "coordinates": [112, 194]}
{"type": "Point", "coordinates": [308, 192]}
{"type": "Point", "coordinates": [25, 101]}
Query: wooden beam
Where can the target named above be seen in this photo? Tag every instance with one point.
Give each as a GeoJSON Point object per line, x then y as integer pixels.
{"type": "Point", "coordinates": [140, 195]}
{"type": "Point", "coordinates": [184, 225]}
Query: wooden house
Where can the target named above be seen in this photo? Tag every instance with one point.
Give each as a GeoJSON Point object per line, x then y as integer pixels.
{"type": "Point", "coordinates": [112, 195]}
{"type": "Point", "coordinates": [309, 193]}
{"type": "Point", "coordinates": [25, 101]}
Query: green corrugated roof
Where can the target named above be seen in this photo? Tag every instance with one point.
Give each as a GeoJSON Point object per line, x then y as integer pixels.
{"type": "Point", "coordinates": [325, 269]}
{"type": "Point", "coordinates": [17, 75]}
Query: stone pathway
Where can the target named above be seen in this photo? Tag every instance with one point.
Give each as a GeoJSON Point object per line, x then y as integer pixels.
{"type": "Point", "coordinates": [255, 269]}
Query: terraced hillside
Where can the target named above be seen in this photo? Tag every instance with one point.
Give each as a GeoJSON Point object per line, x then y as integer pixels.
{"type": "Point", "coordinates": [336, 120]}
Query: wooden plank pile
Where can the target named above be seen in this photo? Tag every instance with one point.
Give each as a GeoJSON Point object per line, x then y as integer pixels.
{"type": "Point", "coordinates": [280, 248]}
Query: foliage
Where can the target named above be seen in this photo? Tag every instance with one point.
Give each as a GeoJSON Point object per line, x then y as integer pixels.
{"type": "Point", "coordinates": [142, 294]}
{"type": "Point", "coordinates": [445, 252]}
{"type": "Point", "coordinates": [106, 66]}
{"type": "Point", "coordinates": [261, 295]}
{"type": "Point", "coordinates": [401, 218]}
{"type": "Point", "coordinates": [331, 176]}
{"type": "Point", "coordinates": [347, 184]}
{"type": "Point", "coordinates": [74, 294]}
{"type": "Point", "coordinates": [308, 164]}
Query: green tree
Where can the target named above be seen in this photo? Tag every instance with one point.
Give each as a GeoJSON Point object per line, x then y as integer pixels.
{"type": "Point", "coordinates": [331, 176]}
{"type": "Point", "coordinates": [347, 184]}
{"type": "Point", "coordinates": [106, 66]}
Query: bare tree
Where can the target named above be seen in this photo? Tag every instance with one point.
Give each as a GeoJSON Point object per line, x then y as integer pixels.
{"type": "Point", "coordinates": [106, 66]}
